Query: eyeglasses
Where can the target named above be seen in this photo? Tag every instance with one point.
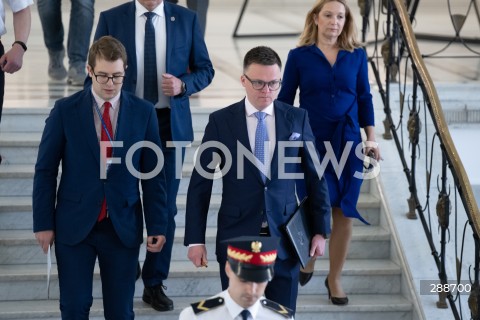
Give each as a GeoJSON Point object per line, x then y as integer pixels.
{"type": "Point", "coordinates": [259, 84]}
{"type": "Point", "coordinates": [103, 79]}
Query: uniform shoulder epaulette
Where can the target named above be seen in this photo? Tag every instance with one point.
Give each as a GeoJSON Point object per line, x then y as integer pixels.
{"type": "Point", "coordinates": [206, 305]}
{"type": "Point", "coordinates": [277, 308]}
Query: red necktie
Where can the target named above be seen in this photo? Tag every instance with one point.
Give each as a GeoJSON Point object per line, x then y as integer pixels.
{"type": "Point", "coordinates": [104, 137]}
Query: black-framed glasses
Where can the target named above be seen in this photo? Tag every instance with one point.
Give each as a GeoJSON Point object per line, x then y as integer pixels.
{"type": "Point", "coordinates": [259, 84]}
{"type": "Point", "coordinates": [103, 79]}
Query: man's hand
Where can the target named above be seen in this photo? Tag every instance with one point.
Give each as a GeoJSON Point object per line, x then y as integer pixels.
{"type": "Point", "coordinates": [198, 255]}
{"type": "Point", "coordinates": [45, 239]}
{"type": "Point", "coordinates": [317, 248]}
{"type": "Point", "coordinates": [12, 60]}
{"type": "Point", "coordinates": [155, 243]}
{"type": "Point", "coordinates": [171, 85]}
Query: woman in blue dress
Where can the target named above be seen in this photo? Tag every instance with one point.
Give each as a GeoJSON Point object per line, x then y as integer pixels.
{"type": "Point", "coordinates": [331, 72]}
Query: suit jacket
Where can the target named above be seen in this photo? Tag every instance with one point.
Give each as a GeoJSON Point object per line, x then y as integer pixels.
{"type": "Point", "coordinates": [187, 56]}
{"type": "Point", "coordinates": [245, 199]}
{"type": "Point", "coordinates": [70, 138]}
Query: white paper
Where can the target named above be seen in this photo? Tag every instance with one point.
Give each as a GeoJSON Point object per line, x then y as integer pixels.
{"type": "Point", "coordinates": [49, 270]}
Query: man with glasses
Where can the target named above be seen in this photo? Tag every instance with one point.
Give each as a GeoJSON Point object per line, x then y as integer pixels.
{"type": "Point", "coordinates": [257, 142]}
{"type": "Point", "coordinates": [104, 138]}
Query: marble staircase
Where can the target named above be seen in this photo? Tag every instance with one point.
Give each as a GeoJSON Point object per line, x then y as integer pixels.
{"type": "Point", "coordinates": [375, 282]}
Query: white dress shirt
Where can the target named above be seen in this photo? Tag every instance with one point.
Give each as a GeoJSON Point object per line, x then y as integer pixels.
{"type": "Point", "coordinates": [160, 49]}
{"type": "Point", "coordinates": [230, 310]}
{"type": "Point", "coordinates": [252, 128]}
{"type": "Point", "coordinates": [113, 112]}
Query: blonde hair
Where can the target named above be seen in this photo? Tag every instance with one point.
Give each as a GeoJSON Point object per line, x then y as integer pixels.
{"type": "Point", "coordinates": [347, 40]}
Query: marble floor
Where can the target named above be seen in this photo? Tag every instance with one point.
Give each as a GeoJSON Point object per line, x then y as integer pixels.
{"type": "Point", "coordinates": [30, 87]}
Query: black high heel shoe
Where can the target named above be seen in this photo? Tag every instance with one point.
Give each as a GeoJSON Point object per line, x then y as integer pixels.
{"type": "Point", "coordinates": [335, 300]}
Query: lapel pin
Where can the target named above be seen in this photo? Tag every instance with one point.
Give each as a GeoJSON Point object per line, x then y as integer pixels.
{"type": "Point", "coordinates": [172, 19]}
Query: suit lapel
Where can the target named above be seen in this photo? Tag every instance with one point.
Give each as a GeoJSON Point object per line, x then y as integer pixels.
{"type": "Point", "coordinates": [283, 128]}
{"type": "Point", "coordinates": [129, 20]}
{"type": "Point", "coordinates": [238, 125]}
{"type": "Point", "coordinates": [85, 116]}
{"type": "Point", "coordinates": [124, 120]}
{"type": "Point", "coordinates": [170, 24]}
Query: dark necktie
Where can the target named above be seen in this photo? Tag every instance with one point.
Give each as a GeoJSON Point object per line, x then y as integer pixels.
{"type": "Point", "coordinates": [150, 87]}
{"type": "Point", "coordinates": [245, 314]}
{"type": "Point", "coordinates": [105, 137]}
{"type": "Point", "coordinates": [261, 135]}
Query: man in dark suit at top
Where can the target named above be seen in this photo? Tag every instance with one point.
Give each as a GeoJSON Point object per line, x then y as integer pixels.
{"type": "Point", "coordinates": [106, 141]}
{"type": "Point", "coordinates": [258, 195]}
{"type": "Point", "coordinates": [183, 68]}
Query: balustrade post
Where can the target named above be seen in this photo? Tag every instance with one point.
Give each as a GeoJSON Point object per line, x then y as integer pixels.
{"type": "Point", "coordinates": [443, 214]}
{"type": "Point", "coordinates": [474, 298]}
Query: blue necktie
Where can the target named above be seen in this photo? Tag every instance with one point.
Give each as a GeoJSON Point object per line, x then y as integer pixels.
{"type": "Point", "coordinates": [261, 135]}
{"type": "Point", "coordinates": [245, 313]}
{"type": "Point", "coordinates": [150, 87]}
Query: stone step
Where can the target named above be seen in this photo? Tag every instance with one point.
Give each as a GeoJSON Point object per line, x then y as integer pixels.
{"type": "Point", "coordinates": [22, 147]}
{"type": "Point", "coordinates": [16, 211]}
{"type": "Point", "coordinates": [360, 307]}
{"type": "Point", "coordinates": [33, 119]}
{"type": "Point", "coordinates": [20, 177]}
{"type": "Point", "coordinates": [29, 281]}
{"type": "Point", "coordinates": [20, 246]}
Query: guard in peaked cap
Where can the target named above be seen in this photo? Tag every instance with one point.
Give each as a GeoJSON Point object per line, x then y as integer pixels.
{"type": "Point", "coordinates": [252, 258]}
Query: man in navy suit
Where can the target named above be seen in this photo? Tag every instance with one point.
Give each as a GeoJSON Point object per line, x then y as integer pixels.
{"type": "Point", "coordinates": [183, 68]}
{"type": "Point", "coordinates": [107, 141]}
{"type": "Point", "coordinates": [258, 198]}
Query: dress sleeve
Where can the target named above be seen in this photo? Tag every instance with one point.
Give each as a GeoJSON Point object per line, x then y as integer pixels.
{"type": "Point", "coordinates": [290, 80]}
{"type": "Point", "coordinates": [364, 97]}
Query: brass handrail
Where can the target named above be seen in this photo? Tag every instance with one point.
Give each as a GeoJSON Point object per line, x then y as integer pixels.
{"type": "Point", "coordinates": [399, 35]}
{"type": "Point", "coordinates": [433, 101]}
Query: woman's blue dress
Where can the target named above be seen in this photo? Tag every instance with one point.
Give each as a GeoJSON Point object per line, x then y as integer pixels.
{"type": "Point", "coordinates": [338, 102]}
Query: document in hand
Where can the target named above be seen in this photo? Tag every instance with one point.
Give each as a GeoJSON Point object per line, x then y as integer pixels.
{"type": "Point", "coordinates": [298, 232]}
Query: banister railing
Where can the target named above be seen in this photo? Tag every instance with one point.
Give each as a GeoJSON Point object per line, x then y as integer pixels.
{"type": "Point", "coordinates": [427, 151]}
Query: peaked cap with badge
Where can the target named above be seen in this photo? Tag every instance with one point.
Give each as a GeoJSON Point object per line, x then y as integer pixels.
{"type": "Point", "coordinates": [252, 258]}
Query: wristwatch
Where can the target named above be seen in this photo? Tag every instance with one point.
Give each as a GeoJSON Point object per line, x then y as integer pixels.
{"type": "Point", "coordinates": [184, 87]}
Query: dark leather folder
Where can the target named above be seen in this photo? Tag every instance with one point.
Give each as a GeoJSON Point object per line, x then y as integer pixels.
{"type": "Point", "coordinates": [298, 232]}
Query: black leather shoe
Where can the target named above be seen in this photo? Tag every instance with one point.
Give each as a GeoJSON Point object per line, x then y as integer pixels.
{"type": "Point", "coordinates": [304, 277]}
{"type": "Point", "coordinates": [155, 297]}
{"type": "Point", "coordinates": [343, 301]}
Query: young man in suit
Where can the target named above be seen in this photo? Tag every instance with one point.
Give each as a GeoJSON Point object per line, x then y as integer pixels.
{"type": "Point", "coordinates": [107, 142]}
{"type": "Point", "coordinates": [249, 268]}
{"type": "Point", "coordinates": [249, 139]}
{"type": "Point", "coordinates": [182, 67]}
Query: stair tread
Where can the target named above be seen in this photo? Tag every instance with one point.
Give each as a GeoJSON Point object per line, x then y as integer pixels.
{"type": "Point", "coordinates": [365, 200]}
{"type": "Point", "coordinates": [185, 268]}
{"type": "Point", "coordinates": [361, 302]}
{"type": "Point", "coordinates": [18, 139]}
{"type": "Point", "coordinates": [28, 170]}
{"type": "Point", "coordinates": [359, 232]}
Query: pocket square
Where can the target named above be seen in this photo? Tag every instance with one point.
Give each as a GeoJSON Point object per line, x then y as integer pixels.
{"type": "Point", "coordinates": [294, 136]}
